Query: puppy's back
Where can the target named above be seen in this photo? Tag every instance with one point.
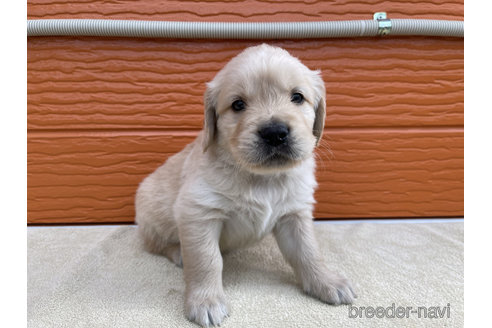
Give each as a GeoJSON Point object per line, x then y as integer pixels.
{"type": "Point", "coordinates": [154, 202]}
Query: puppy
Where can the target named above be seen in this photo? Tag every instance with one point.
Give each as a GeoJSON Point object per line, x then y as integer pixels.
{"type": "Point", "coordinates": [249, 172]}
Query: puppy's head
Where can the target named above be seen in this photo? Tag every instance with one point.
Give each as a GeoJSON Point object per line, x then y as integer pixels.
{"type": "Point", "coordinates": [265, 110]}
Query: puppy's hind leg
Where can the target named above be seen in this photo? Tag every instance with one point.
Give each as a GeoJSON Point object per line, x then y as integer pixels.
{"type": "Point", "coordinates": [173, 253]}
{"type": "Point", "coordinates": [162, 244]}
{"type": "Point", "coordinates": [161, 241]}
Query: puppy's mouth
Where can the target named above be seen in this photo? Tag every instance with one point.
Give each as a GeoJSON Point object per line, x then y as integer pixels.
{"type": "Point", "coordinates": [266, 157]}
{"type": "Point", "coordinates": [276, 156]}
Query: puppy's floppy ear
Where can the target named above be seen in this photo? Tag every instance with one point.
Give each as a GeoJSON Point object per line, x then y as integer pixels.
{"type": "Point", "coordinates": [319, 105]}
{"type": "Point", "coordinates": [210, 119]}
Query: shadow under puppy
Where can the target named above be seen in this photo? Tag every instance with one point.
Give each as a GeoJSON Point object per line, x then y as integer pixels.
{"type": "Point", "coordinates": [249, 172]}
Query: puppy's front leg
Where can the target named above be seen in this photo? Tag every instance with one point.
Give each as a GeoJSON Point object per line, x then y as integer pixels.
{"type": "Point", "coordinates": [202, 264]}
{"type": "Point", "coordinates": [295, 237]}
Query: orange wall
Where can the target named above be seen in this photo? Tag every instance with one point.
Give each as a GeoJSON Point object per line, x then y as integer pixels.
{"type": "Point", "coordinates": [105, 112]}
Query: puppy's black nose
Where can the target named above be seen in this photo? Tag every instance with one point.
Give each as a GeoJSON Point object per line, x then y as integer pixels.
{"type": "Point", "coordinates": [274, 134]}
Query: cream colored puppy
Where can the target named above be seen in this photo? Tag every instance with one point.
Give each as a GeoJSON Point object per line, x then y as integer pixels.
{"type": "Point", "coordinates": [248, 173]}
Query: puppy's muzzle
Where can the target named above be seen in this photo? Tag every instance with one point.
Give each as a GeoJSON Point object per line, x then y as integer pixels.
{"type": "Point", "coordinates": [276, 146]}
{"type": "Point", "coordinates": [274, 134]}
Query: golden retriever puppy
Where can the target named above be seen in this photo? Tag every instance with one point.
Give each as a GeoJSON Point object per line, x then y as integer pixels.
{"type": "Point", "coordinates": [249, 172]}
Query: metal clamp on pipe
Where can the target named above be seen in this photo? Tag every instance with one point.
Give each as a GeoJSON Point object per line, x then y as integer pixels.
{"type": "Point", "coordinates": [384, 24]}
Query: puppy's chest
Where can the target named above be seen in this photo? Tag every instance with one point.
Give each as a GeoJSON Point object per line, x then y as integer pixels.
{"type": "Point", "coordinates": [253, 213]}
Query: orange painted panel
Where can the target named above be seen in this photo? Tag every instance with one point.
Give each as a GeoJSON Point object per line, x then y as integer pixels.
{"type": "Point", "coordinates": [105, 112]}
{"type": "Point", "coordinates": [92, 177]}
{"type": "Point", "coordinates": [391, 173]}
{"type": "Point", "coordinates": [159, 84]}
{"type": "Point", "coordinates": [245, 10]}
{"type": "Point", "coordinates": [373, 173]}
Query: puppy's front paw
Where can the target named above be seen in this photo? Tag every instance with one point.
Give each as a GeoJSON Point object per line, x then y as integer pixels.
{"type": "Point", "coordinates": [331, 289]}
{"type": "Point", "coordinates": [209, 311]}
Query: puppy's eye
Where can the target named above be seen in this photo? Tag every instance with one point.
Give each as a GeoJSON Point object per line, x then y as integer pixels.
{"type": "Point", "coordinates": [238, 105]}
{"type": "Point", "coordinates": [297, 98]}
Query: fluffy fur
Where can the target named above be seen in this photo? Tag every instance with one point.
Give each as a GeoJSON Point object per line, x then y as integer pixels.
{"type": "Point", "coordinates": [233, 185]}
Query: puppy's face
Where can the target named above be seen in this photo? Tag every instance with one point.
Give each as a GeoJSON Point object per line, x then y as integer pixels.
{"type": "Point", "coordinates": [265, 110]}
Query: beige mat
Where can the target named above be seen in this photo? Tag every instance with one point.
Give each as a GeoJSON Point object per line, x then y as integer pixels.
{"type": "Point", "coordinates": [101, 277]}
